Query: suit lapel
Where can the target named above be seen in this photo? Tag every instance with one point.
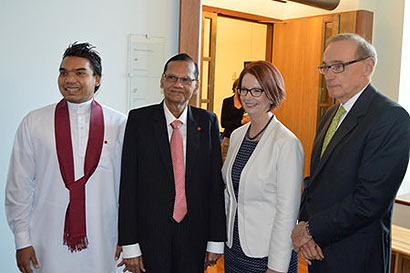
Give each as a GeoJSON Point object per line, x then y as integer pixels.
{"type": "Point", "coordinates": [192, 142]}
{"type": "Point", "coordinates": [359, 109]}
{"type": "Point", "coordinates": [160, 130]}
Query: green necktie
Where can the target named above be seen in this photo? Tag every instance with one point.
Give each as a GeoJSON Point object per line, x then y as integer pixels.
{"type": "Point", "coordinates": [332, 128]}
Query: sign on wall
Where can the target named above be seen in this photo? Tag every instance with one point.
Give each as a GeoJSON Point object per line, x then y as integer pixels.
{"type": "Point", "coordinates": [145, 64]}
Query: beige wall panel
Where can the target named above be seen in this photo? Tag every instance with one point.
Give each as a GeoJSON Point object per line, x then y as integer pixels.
{"type": "Point", "coordinates": [401, 215]}
{"type": "Point", "coordinates": [205, 79]}
{"type": "Point", "coordinates": [206, 37]}
{"type": "Point", "coordinates": [236, 41]}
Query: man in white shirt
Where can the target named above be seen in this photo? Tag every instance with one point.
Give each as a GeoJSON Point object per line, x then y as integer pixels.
{"type": "Point", "coordinates": [172, 216]}
{"type": "Point", "coordinates": [63, 180]}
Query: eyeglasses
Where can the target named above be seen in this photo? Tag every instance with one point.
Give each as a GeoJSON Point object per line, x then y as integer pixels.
{"type": "Point", "coordinates": [174, 79]}
{"type": "Point", "coordinates": [337, 67]}
{"type": "Point", "coordinates": [255, 92]}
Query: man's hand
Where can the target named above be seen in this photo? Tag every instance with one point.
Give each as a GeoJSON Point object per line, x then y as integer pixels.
{"type": "Point", "coordinates": [24, 257]}
{"type": "Point", "coordinates": [311, 251]}
{"type": "Point", "coordinates": [211, 258]}
{"type": "Point", "coordinates": [305, 245]}
{"type": "Point", "coordinates": [300, 236]}
{"type": "Point", "coordinates": [134, 265]}
{"type": "Point", "coordinates": [118, 252]}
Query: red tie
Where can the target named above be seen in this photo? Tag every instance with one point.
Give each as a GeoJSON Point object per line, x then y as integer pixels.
{"type": "Point", "coordinates": [177, 154]}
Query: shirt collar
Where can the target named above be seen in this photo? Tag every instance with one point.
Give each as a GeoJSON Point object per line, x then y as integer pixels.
{"type": "Point", "coordinates": [349, 104]}
{"type": "Point", "coordinates": [170, 117]}
{"type": "Point", "coordinates": [80, 107]}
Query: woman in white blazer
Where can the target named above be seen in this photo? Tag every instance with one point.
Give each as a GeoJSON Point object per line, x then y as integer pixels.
{"type": "Point", "coordinates": [263, 175]}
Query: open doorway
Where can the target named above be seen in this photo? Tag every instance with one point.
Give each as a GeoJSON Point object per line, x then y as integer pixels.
{"type": "Point", "coordinates": [229, 40]}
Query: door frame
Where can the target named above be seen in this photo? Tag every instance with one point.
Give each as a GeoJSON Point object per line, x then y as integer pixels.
{"type": "Point", "coordinates": [190, 30]}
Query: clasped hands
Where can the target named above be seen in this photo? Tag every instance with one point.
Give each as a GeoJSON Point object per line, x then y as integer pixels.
{"type": "Point", "coordinates": [304, 244]}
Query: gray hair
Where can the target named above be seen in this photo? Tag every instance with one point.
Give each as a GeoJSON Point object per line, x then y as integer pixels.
{"type": "Point", "coordinates": [364, 48]}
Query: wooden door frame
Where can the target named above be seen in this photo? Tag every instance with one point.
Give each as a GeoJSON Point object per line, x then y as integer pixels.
{"type": "Point", "coordinates": [190, 33]}
{"type": "Point", "coordinates": [211, 62]}
{"type": "Point", "coordinates": [190, 16]}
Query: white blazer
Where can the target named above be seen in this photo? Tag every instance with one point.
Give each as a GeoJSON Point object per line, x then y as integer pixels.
{"type": "Point", "coordinates": [269, 194]}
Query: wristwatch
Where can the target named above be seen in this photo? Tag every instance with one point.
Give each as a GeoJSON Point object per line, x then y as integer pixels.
{"type": "Point", "coordinates": [308, 228]}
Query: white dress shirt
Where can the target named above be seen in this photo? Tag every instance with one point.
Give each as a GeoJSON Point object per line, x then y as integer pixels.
{"type": "Point", "coordinates": [348, 105]}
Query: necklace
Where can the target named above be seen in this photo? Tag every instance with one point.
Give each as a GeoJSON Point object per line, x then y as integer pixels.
{"type": "Point", "coordinates": [248, 136]}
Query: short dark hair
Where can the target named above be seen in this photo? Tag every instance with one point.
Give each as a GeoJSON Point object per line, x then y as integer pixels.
{"type": "Point", "coordinates": [269, 78]}
{"type": "Point", "coordinates": [182, 57]}
{"type": "Point", "coordinates": [86, 50]}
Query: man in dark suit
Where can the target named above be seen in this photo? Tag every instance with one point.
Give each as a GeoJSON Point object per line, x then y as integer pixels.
{"type": "Point", "coordinates": [171, 215]}
{"type": "Point", "coordinates": [359, 159]}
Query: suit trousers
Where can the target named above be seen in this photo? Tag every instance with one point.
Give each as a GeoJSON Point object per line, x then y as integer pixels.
{"type": "Point", "coordinates": [177, 255]}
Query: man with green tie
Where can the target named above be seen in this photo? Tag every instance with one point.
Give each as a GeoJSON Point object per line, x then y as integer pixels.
{"type": "Point", "coordinates": [359, 159]}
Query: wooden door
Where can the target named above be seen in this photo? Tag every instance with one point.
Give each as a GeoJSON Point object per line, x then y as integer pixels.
{"type": "Point", "coordinates": [297, 52]}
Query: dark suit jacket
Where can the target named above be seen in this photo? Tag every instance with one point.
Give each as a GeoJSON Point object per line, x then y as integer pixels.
{"type": "Point", "coordinates": [349, 195]}
{"type": "Point", "coordinates": [231, 117]}
{"type": "Point", "coordinates": [147, 189]}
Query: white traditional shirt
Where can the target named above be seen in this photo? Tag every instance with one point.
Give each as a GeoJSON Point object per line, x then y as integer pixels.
{"type": "Point", "coordinates": [37, 199]}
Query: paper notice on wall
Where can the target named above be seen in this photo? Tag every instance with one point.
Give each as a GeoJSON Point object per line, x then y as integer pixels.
{"type": "Point", "coordinates": [146, 60]}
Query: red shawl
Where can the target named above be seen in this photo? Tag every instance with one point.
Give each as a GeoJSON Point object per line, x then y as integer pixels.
{"type": "Point", "coordinates": [75, 235]}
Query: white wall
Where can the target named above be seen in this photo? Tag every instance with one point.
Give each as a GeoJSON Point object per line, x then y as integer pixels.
{"type": "Point", "coordinates": [34, 34]}
{"type": "Point", "coordinates": [387, 38]}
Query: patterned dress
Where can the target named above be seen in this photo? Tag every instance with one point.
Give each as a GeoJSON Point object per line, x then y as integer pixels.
{"type": "Point", "coordinates": [236, 260]}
